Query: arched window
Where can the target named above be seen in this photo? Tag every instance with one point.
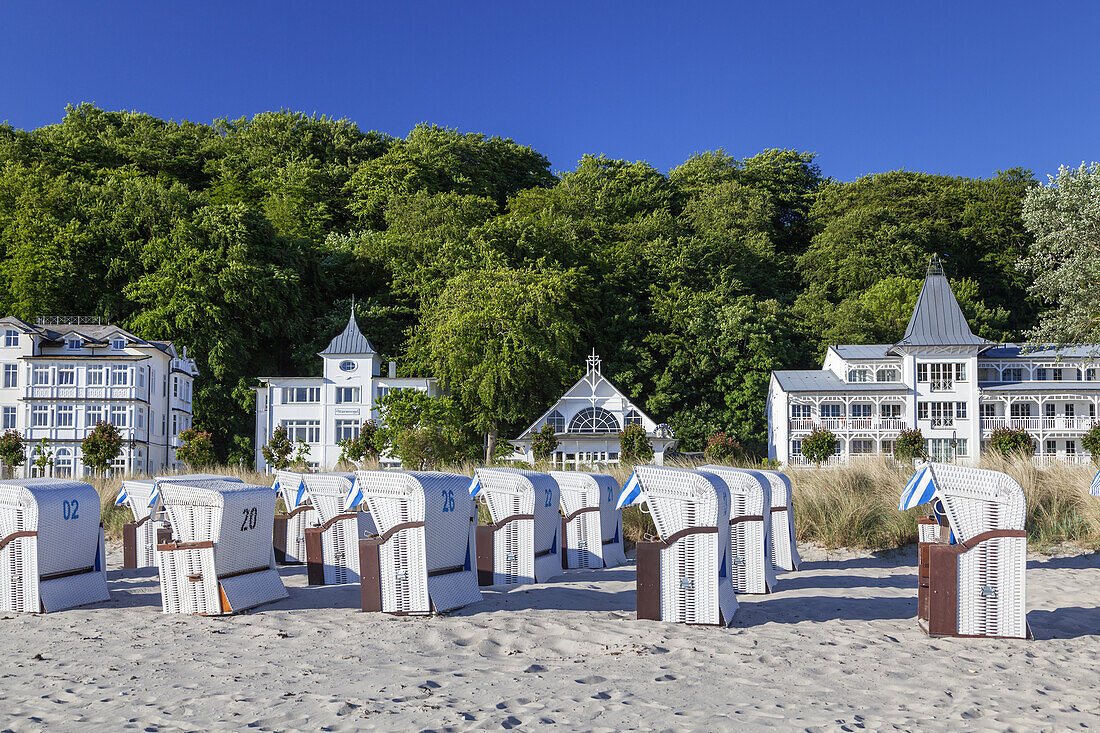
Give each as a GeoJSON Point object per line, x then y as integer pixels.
{"type": "Point", "coordinates": [594, 420]}
{"type": "Point", "coordinates": [556, 421]}
{"type": "Point", "coordinates": [63, 463]}
{"type": "Point", "coordinates": [632, 417]}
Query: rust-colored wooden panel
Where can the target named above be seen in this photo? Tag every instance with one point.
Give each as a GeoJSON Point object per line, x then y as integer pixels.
{"type": "Point", "coordinates": [648, 561]}
{"type": "Point", "coordinates": [370, 574]}
{"type": "Point", "coordinates": [315, 561]}
{"type": "Point", "coordinates": [485, 555]}
{"type": "Point", "coordinates": [943, 589]}
{"type": "Point", "coordinates": [129, 546]}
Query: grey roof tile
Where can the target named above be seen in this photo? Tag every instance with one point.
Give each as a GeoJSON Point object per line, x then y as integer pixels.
{"type": "Point", "coordinates": [820, 380]}
{"type": "Point", "coordinates": [350, 341]}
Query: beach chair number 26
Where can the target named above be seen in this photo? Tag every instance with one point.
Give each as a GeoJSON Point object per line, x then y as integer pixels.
{"type": "Point", "coordinates": [549, 496]}
{"type": "Point", "coordinates": [68, 509]}
{"type": "Point", "coordinates": [249, 519]}
{"type": "Point", "coordinates": [448, 500]}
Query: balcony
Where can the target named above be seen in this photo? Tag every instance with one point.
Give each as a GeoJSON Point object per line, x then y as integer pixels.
{"type": "Point", "coordinates": [1049, 459]}
{"type": "Point", "coordinates": [847, 424]}
{"type": "Point", "coordinates": [1039, 424]}
{"type": "Point", "coordinates": [73, 392]}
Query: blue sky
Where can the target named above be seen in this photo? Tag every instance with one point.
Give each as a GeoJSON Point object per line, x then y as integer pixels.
{"type": "Point", "coordinates": [964, 88]}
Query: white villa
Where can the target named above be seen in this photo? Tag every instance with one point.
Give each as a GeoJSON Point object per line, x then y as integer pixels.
{"type": "Point", "coordinates": [65, 374]}
{"type": "Point", "coordinates": [330, 408]}
{"type": "Point", "coordinates": [941, 378]}
{"type": "Point", "coordinates": [587, 420]}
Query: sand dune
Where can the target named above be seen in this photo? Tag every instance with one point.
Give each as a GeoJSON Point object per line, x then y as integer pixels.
{"type": "Point", "coordinates": [836, 648]}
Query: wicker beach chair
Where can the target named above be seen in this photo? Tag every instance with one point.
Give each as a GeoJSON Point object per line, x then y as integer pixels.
{"type": "Point", "coordinates": [332, 543]}
{"type": "Point", "coordinates": [784, 545]}
{"type": "Point", "coordinates": [750, 528]}
{"type": "Point", "coordinates": [685, 576]}
{"type": "Point", "coordinates": [220, 559]}
{"type": "Point", "coordinates": [592, 528]}
{"type": "Point", "coordinates": [424, 557]}
{"type": "Point", "coordinates": [289, 531]}
{"type": "Point", "coordinates": [140, 537]}
{"type": "Point", "coordinates": [52, 551]}
{"type": "Point", "coordinates": [973, 552]}
{"type": "Point", "coordinates": [523, 543]}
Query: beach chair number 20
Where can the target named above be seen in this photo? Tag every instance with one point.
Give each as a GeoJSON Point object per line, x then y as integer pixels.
{"type": "Point", "coordinates": [249, 519]}
{"type": "Point", "coordinates": [448, 500]}
{"type": "Point", "coordinates": [68, 509]}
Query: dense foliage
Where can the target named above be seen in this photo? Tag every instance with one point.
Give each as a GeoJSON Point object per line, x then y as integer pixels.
{"type": "Point", "coordinates": [1090, 441]}
{"type": "Point", "coordinates": [278, 450]}
{"type": "Point", "coordinates": [544, 443]}
{"type": "Point", "coordinates": [421, 431]}
{"type": "Point", "coordinates": [634, 445]}
{"type": "Point", "coordinates": [819, 446]}
{"type": "Point", "coordinates": [101, 446]}
{"type": "Point", "coordinates": [364, 445]}
{"type": "Point", "coordinates": [12, 452]}
{"type": "Point", "coordinates": [910, 445]}
{"type": "Point", "coordinates": [722, 447]}
{"type": "Point", "coordinates": [1011, 442]}
{"type": "Point", "coordinates": [245, 241]}
{"type": "Point", "coordinates": [196, 448]}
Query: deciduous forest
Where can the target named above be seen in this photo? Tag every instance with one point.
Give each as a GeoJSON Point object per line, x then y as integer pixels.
{"type": "Point", "coordinates": [471, 260]}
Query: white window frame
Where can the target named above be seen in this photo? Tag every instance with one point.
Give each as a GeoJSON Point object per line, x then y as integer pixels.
{"type": "Point", "coordinates": [11, 375]}
{"type": "Point", "coordinates": [11, 337]}
{"type": "Point", "coordinates": [64, 416]}
{"type": "Point", "coordinates": [10, 418]}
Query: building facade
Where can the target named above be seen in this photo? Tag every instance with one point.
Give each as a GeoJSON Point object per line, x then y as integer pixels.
{"type": "Point", "coordinates": [587, 420]}
{"type": "Point", "coordinates": [63, 375]}
{"type": "Point", "coordinates": [942, 379]}
{"type": "Point", "coordinates": [325, 410]}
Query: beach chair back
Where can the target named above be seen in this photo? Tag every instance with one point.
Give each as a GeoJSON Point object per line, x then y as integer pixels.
{"type": "Point", "coordinates": [289, 536]}
{"type": "Point", "coordinates": [593, 526]}
{"type": "Point", "coordinates": [784, 543]}
{"type": "Point", "coordinates": [685, 577]}
{"type": "Point", "coordinates": [52, 550]}
{"type": "Point", "coordinates": [425, 541]}
{"type": "Point", "coordinates": [526, 533]}
{"type": "Point", "coordinates": [750, 528]}
{"type": "Point", "coordinates": [332, 544]}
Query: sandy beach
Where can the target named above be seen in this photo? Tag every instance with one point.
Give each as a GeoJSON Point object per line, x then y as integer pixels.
{"type": "Point", "coordinates": [836, 648]}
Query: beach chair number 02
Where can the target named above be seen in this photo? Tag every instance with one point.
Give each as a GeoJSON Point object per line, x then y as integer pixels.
{"type": "Point", "coordinates": [249, 519]}
{"type": "Point", "coordinates": [69, 509]}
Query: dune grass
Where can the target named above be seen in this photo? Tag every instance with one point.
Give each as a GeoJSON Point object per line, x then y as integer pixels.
{"type": "Point", "coordinates": [853, 506]}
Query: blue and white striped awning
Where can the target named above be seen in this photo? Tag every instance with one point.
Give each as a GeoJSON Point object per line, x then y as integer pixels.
{"type": "Point", "coordinates": [300, 497]}
{"type": "Point", "coordinates": [354, 497]}
{"type": "Point", "coordinates": [475, 486]}
{"type": "Point", "coordinates": [631, 493]}
{"type": "Point", "coordinates": [1095, 488]}
{"type": "Point", "coordinates": [155, 496]}
{"type": "Point", "coordinates": [275, 485]}
{"type": "Point", "coordinates": [122, 497]}
{"type": "Point", "coordinates": [920, 490]}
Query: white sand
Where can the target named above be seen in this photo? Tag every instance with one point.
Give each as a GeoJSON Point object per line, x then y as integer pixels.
{"type": "Point", "coordinates": [836, 648]}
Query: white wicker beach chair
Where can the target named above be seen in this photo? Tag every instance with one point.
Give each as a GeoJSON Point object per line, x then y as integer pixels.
{"type": "Point", "coordinates": [971, 582]}
{"type": "Point", "coordinates": [523, 544]}
{"type": "Point", "coordinates": [332, 543]}
{"type": "Point", "coordinates": [592, 528]}
{"type": "Point", "coordinates": [140, 537]}
{"type": "Point", "coordinates": [750, 528]}
{"type": "Point", "coordinates": [784, 545]}
{"type": "Point", "coordinates": [685, 577]}
{"type": "Point", "coordinates": [52, 551]}
{"type": "Point", "coordinates": [424, 558]}
{"type": "Point", "coordinates": [220, 559]}
{"type": "Point", "coordinates": [289, 532]}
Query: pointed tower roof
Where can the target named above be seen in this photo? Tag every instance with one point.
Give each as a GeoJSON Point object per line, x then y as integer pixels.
{"type": "Point", "coordinates": [937, 319]}
{"type": "Point", "coordinates": [350, 341]}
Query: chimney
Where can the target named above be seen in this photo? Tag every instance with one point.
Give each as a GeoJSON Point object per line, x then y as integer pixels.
{"type": "Point", "coordinates": [393, 370]}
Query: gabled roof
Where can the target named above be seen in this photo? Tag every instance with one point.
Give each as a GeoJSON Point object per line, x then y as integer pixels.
{"type": "Point", "coordinates": [821, 380]}
{"type": "Point", "coordinates": [350, 341]}
{"type": "Point", "coordinates": [937, 319]}
{"type": "Point", "coordinates": [92, 333]}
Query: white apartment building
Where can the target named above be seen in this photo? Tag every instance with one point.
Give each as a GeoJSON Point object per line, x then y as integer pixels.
{"type": "Point", "coordinates": [587, 420]}
{"type": "Point", "coordinates": [325, 410]}
{"type": "Point", "coordinates": [941, 378]}
{"type": "Point", "coordinates": [63, 375]}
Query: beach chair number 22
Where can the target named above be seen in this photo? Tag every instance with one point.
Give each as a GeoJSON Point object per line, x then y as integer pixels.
{"type": "Point", "coordinates": [249, 519]}
{"type": "Point", "coordinates": [68, 509]}
{"type": "Point", "coordinates": [448, 500]}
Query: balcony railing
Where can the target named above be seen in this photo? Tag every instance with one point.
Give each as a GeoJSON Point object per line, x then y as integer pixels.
{"type": "Point", "coordinates": [1038, 424]}
{"type": "Point", "coordinates": [804, 461]}
{"type": "Point", "coordinates": [73, 392]}
{"type": "Point", "coordinates": [1049, 459]}
{"type": "Point", "coordinates": [844, 424]}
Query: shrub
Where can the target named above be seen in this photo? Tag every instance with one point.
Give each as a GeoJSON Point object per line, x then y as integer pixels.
{"type": "Point", "coordinates": [1010, 442]}
{"type": "Point", "coordinates": [544, 443]}
{"type": "Point", "coordinates": [1091, 442]}
{"type": "Point", "coordinates": [634, 446]}
{"type": "Point", "coordinates": [101, 446]}
{"type": "Point", "coordinates": [819, 445]}
{"type": "Point", "coordinates": [197, 448]}
{"type": "Point", "coordinates": [910, 445]}
{"type": "Point", "coordinates": [364, 446]}
{"type": "Point", "coordinates": [278, 450]}
{"type": "Point", "coordinates": [12, 453]}
{"type": "Point", "coordinates": [722, 447]}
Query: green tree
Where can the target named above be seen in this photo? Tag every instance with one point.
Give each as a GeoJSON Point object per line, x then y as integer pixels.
{"type": "Point", "coordinates": [634, 445]}
{"type": "Point", "coordinates": [1090, 441]}
{"type": "Point", "coordinates": [500, 341]}
{"type": "Point", "coordinates": [364, 445]}
{"type": "Point", "coordinates": [420, 430]}
{"type": "Point", "coordinates": [301, 453]}
{"type": "Point", "coordinates": [12, 452]}
{"type": "Point", "coordinates": [819, 446]}
{"type": "Point", "coordinates": [277, 451]}
{"type": "Point", "coordinates": [722, 447]}
{"type": "Point", "coordinates": [196, 448]}
{"type": "Point", "coordinates": [910, 445]}
{"type": "Point", "coordinates": [101, 446]}
{"type": "Point", "coordinates": [544, 443]}
{"type": "Point", "coordinates": [1010, 442]}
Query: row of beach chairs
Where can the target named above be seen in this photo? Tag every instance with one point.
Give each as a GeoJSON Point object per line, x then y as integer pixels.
{"type": "Point", "coordinates": [412, 540]}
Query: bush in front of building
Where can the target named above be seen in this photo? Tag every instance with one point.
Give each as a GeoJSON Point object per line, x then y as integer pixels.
{"type": "Point", "coordinates": [101, 446]}
{"type": "Point", "coordinates": [1010, 442]}
{"type": "Point", "coordinates": [910, 445]}
{"type": "Point", "coordinates": [279, 449]}
{"type": "Point", "coordinates": [363, 446]}
{"type": "Point", "coordinates": [819, 445]}
{"type": "Point", "coordinates": [1091, 442]}
{"type": "Point", "coordinates": [544, 443]}
{"type": "Point", "coordinates": [723, 447]}
{"type": "Point", "coordinates": [12, 453]}
{"type": "Point", "coordinates": [634, 445]}
{"type": "Point", "coordinates": [196, 448]}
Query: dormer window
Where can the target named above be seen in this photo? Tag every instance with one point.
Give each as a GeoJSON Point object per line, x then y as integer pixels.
{"type": "Point", "coordinates": [11, 337]}
{"type": "Point", "coordinates": [73, 343]}
{"type": "Point", "coordinates": [118, 343]}
{"type": "Point", "coordinates": [859, 375]}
